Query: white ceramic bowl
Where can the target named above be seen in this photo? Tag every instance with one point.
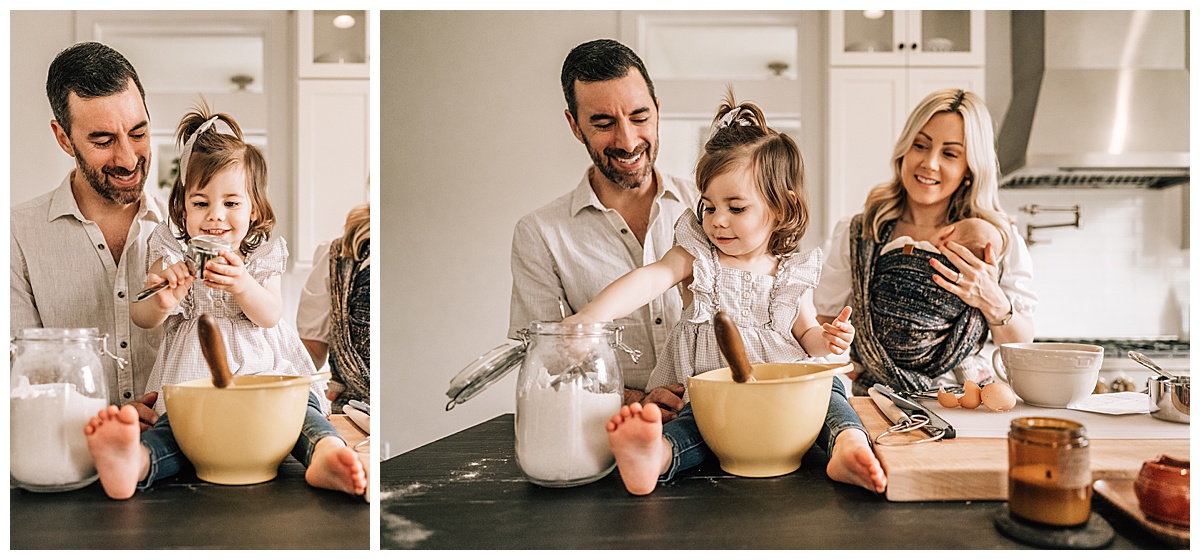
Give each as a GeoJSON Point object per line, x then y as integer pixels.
{"type": "Point", "coordinates": [764, 427]}
{"type": "Point", "coordinates": [1049, 374]}
{"type": "Point", "coordinates": [238, 434]}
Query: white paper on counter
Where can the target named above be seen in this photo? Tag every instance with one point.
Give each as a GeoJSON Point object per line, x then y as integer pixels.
{"type": "Point", "coordinates": [1125, 402]}
{"type": "Point", "coordinates": [983, 423]}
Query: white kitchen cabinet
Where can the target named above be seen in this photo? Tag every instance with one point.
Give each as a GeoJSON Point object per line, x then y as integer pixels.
{"type": "Point", "coordinates": [906, 37]}
{"type": "Point", "coordinates": [333, 44]}
{"type": "Point", "coordinates": [333, 158]}
{"type": "Point", "coordinates": [333, 124]}
{"type": "Point", "coordinates": [867, 111]}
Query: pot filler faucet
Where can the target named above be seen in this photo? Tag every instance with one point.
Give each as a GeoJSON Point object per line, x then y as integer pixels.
{"type": "Point", "coordinates": [1034, 209]}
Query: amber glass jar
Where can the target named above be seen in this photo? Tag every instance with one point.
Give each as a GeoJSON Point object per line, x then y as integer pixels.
{"type": "Point", "coordinates": [1049, 471]}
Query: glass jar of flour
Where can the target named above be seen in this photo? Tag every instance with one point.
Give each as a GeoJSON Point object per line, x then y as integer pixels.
{"type": "Point", "coordinates": [568, 387]}
{"type": "Point", "coordinates": [57, 385]}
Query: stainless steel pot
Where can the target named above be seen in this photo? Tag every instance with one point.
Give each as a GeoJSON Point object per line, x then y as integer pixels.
{"type": "Point", "coordinates": [1170, 398]}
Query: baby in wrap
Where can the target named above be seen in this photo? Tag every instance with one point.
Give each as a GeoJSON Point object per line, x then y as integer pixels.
{"type": "Point", "coordinates": [921, 326]}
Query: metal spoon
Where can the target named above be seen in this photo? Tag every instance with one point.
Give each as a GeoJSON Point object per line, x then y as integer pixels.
{"type": "Point", "coordinates": [1142, 359]}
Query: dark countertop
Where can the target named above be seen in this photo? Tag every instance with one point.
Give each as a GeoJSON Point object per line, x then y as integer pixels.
{"type": "Point", "coordinates": [466, 491]}
{"type": "Point", "coordinates": [186, 512]}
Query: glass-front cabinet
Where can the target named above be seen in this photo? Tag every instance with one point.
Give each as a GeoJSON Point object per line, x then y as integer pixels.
{"type": "Point", "coordinates": [906, 37]}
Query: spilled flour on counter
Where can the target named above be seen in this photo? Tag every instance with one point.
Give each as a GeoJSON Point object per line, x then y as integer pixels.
{"type": "Point", "coordinates": [400, 531]}
{"type": "Point", "coordinates": [560, 430]}
{"type": "Point", "coordinates": [47, 445]}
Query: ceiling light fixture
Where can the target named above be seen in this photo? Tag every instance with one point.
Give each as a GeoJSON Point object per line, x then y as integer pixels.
{"type": "Point", "coordinates": [872, 14]}
{"type": "Point", "coordinates": [344, 21]}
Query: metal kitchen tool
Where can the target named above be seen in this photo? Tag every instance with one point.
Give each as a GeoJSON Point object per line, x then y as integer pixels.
{"type": "Point", "coordinates": [1142, 359]}
{"type": "Point", "coordinates": [200, 250]}
{"type": "Point", "coordinates": [1171, 398]}
{"type": "Point", "coordinates": [912, 416]}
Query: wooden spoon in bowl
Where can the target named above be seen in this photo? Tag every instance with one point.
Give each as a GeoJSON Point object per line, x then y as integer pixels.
{"type": "Point", "coordinates": [212, 344]}
{"type": "Point", "coordinates": [729, 340]}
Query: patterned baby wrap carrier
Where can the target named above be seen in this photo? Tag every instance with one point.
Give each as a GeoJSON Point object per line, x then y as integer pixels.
{"type": "Point", "coordinates": [913, 331]}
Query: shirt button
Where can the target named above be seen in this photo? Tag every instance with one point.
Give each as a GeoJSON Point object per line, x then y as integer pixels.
{"type": "Point", "coordinates": [658, 321]}
{"type": "Point", "coordinates": [746, 295]}
{"type": "Point", "coordinates": [624, 231]}
{"type": "Point", "coordinates": [128, 395]}
{"type": "Point", "coordinates": [745, 313]}
{"type": "Point", "coordinates": [121, 294]}
{"type": "Point", "coordinates": [100, 246]}
{"type": "Point", "coordinates": [124, 344]}
{"type": "Point", "coordinates": [747, 276]}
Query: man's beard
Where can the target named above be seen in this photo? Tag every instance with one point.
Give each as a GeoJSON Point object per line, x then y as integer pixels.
{"type": "Point", "coordinates": [628, 180]}
{"type": "Point", "coordinates": [98, 179]}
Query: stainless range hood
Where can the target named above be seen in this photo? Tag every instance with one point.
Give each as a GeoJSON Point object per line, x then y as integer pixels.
{"type": "Point", "coordinates": [1100, 99]}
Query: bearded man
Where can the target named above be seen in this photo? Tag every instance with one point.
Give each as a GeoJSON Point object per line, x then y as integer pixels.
{"type": "Point", "coordinates": [619, 217]}
{"type": "Point", "coordinates": [78, 253]}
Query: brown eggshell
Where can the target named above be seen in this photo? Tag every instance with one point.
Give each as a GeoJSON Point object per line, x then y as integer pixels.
{"type": "Point", "coordinates": [998, 397]}
{"type": "Point", "coordinates": [948, 400]}
{"type": "Point", "coordinates": [970, 398]}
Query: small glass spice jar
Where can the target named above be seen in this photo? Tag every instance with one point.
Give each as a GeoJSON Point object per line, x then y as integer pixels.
{"type": "Point", "coordinates": [1049, 471]}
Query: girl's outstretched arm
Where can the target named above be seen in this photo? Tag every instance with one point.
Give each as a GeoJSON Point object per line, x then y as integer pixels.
{"type": "Point", "coordinates": [636, 288]}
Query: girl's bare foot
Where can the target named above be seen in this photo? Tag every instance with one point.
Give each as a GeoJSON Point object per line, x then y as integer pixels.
{"type": "Point", "coordinates": [635, 436]}
{"type": "Point", "coordinates": [335, 466]}
{"type": "Point", "coordinates": [114, 441]}
{"type": "Point", "coordinates": [853, 462]}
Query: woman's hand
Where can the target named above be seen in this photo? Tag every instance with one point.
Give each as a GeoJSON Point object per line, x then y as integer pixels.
{"type": "Point", "coordinates": [977, 282]}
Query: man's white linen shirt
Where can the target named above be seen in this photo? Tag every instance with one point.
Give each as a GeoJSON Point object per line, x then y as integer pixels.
{"type": "Point", "coordinates": [62, 275]}
{"type": "Point", "coordinates": [573, 247]}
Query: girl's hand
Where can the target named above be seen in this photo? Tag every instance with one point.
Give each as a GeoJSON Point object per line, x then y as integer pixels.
{"type": "Point", "coordinates": [229, 276]}
{"type": "Point", "coordinates": [977, 282]}
{"type": "Point", "coordinates": [179, 279]}
{"type": "Point", "coordinates": [839, 333]}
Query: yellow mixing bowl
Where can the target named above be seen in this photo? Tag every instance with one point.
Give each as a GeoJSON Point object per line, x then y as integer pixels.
{"type": "Point", "coordinates": [764, 427]}
{"type": "Point", "coordinates": [238, 434]}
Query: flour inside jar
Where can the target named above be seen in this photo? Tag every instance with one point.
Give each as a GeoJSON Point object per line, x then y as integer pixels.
{"type": "Point", "coordinates": [47, 448]}
{"type": "Point", "coordinates": [560, 429]}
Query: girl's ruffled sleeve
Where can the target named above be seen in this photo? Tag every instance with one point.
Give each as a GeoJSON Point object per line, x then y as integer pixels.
{"type": "Point", "coordinates": [163, 245]}
{"type": "Point", "coordinates": [690, 235]}
{"type": "Point", "coordinates": [268, 260]}
{"type": "Point", "coordinates": [798, 273]}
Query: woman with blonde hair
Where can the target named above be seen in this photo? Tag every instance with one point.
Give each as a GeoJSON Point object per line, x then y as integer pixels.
{"type": "Point", "coordinates": [334, 315]}
{"type": "Point", "coordinates": [945, 171]}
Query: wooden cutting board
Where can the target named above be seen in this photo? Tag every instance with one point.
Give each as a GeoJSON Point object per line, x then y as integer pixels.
{"type": "Point", "coordinates": [977, 468]}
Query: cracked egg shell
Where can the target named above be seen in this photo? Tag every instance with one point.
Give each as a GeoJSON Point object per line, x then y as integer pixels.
{"type": "Point", "coordinates": [998, 397]}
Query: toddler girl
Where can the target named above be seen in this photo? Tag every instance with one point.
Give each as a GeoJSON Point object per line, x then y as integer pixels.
{"type": "Point", "coordinates": [738, 255]}
{"type": "Point", "coordinates": [220, 191]}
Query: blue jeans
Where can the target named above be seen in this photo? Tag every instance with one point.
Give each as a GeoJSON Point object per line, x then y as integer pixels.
{"type": "Point", "coordinates": [689, 450]}
{"type": "Point", "coordinates": [166, 459]}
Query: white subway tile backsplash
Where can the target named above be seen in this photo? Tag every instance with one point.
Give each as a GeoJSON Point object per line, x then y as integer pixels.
{"type": "Point", "coordinates": [1123, 273]}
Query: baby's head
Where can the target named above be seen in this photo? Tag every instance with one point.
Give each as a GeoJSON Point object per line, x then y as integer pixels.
{"type": "Point", "coordinates": [221, 186]}
{"type": "Point", "coordinates": [742, 140]}
{"type": "Point", "coordinates": [975, 234]}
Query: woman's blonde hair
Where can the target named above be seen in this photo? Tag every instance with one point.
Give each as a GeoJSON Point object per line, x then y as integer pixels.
{"type": "Point", "coordinates": [356, 239]}
{"type": "Point", "coordinates": [742, 137]}
{"type": "Point", "coordinates": [211, 153]}
{"type": "Point", "coordinates": [976, 197]}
